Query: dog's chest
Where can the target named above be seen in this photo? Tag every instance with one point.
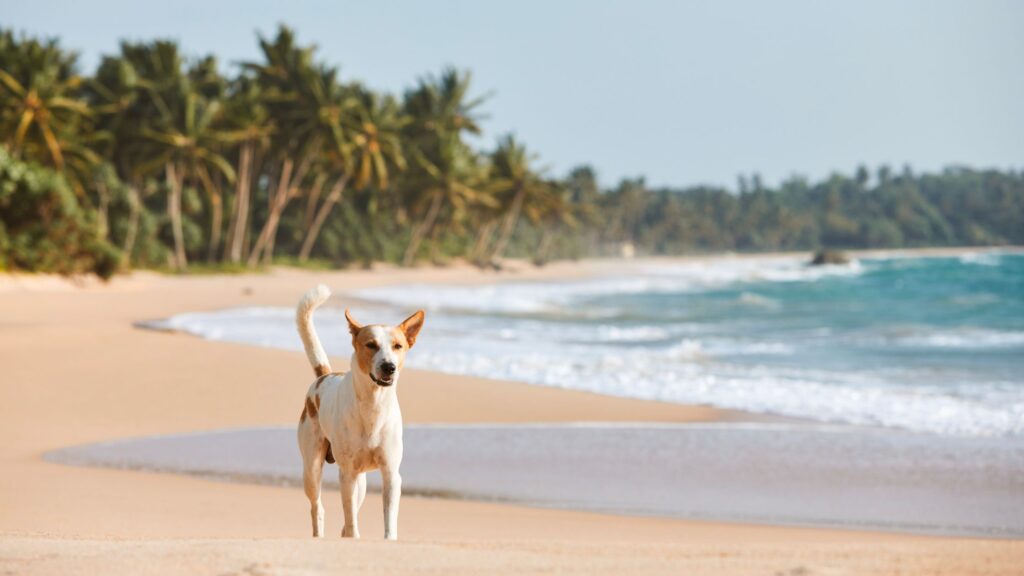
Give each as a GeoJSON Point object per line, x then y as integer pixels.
{"type": "Point", "coordinates": [363, 435]}
{"type": "Point", "coordinates": [366, 448]}
{"type": "Point", "coordinates": [365, 460]}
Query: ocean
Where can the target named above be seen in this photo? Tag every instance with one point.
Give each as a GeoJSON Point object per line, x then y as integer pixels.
{"type": "Point", "coordinates": [926, 344]}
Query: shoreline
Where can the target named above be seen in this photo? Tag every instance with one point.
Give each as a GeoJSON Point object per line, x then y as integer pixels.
{"type": "Point", "coordinates": [76, 371]}
{"type": "Point", "coordinates": [517, 269]}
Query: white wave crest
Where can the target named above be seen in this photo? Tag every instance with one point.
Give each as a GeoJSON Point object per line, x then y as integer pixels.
{"type": "Point", "coordinates": [981, 258]}
{"type": "Point", "coordinates": [555, 297]}
{"type": "Point", "coordinates": [964, 339]}
{"type": "Point", "coordinates": [756, 300]}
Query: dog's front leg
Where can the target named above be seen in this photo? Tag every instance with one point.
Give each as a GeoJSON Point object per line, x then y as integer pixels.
{"type": "Point", "coordinates": [349, 484]}
{"type": "Point", "coordinates": [392, 494]}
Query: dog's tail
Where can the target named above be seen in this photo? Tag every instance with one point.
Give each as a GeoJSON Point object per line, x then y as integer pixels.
{"type": "Point", "coordinates": [304, 321]}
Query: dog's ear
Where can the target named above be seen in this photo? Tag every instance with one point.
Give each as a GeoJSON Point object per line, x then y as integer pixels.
{"type": "Point", "coordinates": [411, 326]}
{"type": "Point", "coordinates": [353, 326]}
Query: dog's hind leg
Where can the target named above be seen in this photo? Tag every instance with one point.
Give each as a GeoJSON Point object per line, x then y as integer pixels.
{"type": "Point", "coordinates": [313, 449]}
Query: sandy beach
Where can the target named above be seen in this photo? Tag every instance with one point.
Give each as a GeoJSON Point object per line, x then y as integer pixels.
{"type": "Point", "coordinates": [76, 370]}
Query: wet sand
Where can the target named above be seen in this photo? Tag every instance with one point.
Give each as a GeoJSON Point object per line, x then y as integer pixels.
{"type": "Point", "coordinates": [790, 474]}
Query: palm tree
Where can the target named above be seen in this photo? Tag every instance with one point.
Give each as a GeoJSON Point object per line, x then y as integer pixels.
{"type": "Point", "coordinates": [626, 207]}
{"type": "Point", "coordinates": [124, 96]}
{"type": "Point", "coordinates": [249, 127]}
{"type": "Point", "coordinates": [486, 216]}
{"type": "Point", "coordinates": [133, 93]}
{"type": "Point", "coordinates": [445, 171]}
{"type": "Point", "coordinates": [516, 182]}
{"type": "Point", "coordinates": [305, 104]}
{"type": "Point", "coordinates": [42, 114]}
{"type": "Point", "coordinates": [175, 131]}
{"type": "Point", "coordinates": [551, 209]}
{"type": "Point", "coordinates": [189, 148]}
{"type": "Point", "coordinates": [375, 151]}
{"type": "Point", "coordinates": [585, 197]}
{"type": "Point", "coordinates": [113, 95]}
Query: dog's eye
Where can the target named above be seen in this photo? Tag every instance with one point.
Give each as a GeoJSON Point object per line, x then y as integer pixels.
{"type": "Point", "coordinates": [372, 345]}
{"type": "Point", "coordinates": [398, 346]}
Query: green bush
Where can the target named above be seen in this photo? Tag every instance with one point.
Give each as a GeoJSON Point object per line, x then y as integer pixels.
{"type": "Point", "coordinates": [43, 226]}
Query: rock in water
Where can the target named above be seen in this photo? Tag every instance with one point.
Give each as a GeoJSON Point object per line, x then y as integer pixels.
{"type": "Point", "coordinates": [822, 257]}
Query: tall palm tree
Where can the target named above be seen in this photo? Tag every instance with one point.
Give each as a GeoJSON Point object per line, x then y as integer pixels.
{"type": "Point", "coordinates": [189, 148]}
{"type": "Point", "coordinates": [248, 126]}
{"type": "Point", "coordinates": [517, 182]}
{"type": "Point", "coordinates": [444, 171]}
{"type": "Point", "coordinates": [177, 134]}
{"type": "Point", "coordinates": [374, 153]}
{"type": "Point", "coordinates": [552, 208]}
{"type": "Point", "coordinates": [305, 104]}
{"type": "Point", "coordinates": [121, 98]}
{"type": "Point", "coordinates": [134, 93]}
{"type": "Point", "coordinates": [112, 93]}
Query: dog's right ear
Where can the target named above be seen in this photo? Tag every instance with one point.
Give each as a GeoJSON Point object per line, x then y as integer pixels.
{"type": "Point", "coordinates": [353, 326]}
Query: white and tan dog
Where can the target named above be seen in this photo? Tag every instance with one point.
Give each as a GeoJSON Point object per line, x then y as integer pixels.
{"type": "Point", "coordinates": [354, 418]}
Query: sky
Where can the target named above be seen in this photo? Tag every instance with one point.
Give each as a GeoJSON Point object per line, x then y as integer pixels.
{"type": "Point", "coordinates": [681, 93]}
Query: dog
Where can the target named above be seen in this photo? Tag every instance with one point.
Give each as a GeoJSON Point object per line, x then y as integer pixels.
{"type": "Point", "coordinates": [353, 418]}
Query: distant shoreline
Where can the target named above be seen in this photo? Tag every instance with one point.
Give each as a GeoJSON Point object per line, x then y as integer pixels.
{"type": "Point", "coordinates": [515, 268]}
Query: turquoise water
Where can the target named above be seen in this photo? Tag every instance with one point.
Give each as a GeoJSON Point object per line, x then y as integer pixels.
{"type": "Point", "coordinates": [927, 344]}
{"type": "Point", "coordinates": [947, 322]}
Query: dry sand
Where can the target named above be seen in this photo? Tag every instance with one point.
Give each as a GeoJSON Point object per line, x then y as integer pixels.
{"type": "Point", "coordinates": [74, 371]}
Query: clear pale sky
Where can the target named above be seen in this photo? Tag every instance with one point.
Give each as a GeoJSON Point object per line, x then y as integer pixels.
{"type": "Point", "coordinates": [679, 92]}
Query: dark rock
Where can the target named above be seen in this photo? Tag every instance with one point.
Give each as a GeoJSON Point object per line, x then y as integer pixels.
{"type": "Point", "coordinates": [822, 257]}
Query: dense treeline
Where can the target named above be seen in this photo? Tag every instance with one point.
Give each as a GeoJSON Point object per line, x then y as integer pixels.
{"type": "Point", "coordinates": [958, 207]}
{"type": "Point", "coordinates": [156, 160]}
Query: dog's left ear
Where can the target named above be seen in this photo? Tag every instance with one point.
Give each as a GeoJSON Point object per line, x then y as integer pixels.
{"type": "Point", "coordinates": [411, 326]}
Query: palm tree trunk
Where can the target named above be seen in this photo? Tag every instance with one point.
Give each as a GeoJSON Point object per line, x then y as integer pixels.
{"type": "Point", "coordinates": [311, 203]}
{"type": "Point", "coordinates": [435, 241]}
{"type": "Point", "coordinates": [509, 224]}
{"type": "Point", "coordinates": [277, 204]}
{"type": "Point", "coordinates": [321, 216]}
{"type": "Point", "coordinates": [217, 217]}
{"type": "Point", "coordinates": [102, 227]}
{"type": "Point", "coordinates": [313, 199]}
{"type": "Point", "coordinates": [482, 240]}
{"type": "Point", "coordinates": [268, 248]}
{"type": "Point", "coordinates": [174, 211]}
{"type": "Point", "coordinates": [421, 231]}
{"type": "Point", "coordinates": [216, 212]}
{"type": "Point", "coordinates": [545, 244]}
{"type": "Point", "coordinates": [135, 209]}
{"type": "Point", "coordinates": [291, 191]}
{"type": "Point", "coordinates": [247, 231]}
{"type": "Point", "coordinates": [240, 214]}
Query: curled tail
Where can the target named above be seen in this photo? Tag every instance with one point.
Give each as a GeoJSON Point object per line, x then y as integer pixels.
{"type": "Point", "coordinates": [304, 321]}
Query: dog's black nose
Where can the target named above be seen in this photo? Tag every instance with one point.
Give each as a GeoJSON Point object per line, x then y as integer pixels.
{"type": "Point", "coordinates": [387, 368]}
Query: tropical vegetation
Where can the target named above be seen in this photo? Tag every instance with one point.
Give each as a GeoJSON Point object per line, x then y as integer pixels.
{"type": "Point", "coordinates": [158, 160]}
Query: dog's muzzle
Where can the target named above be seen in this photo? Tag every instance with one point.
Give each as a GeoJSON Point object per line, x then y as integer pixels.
{"type": "Point", "coordinates": [387, 374]}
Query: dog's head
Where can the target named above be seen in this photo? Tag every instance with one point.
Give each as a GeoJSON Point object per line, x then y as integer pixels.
{"type": "Point", "coordinates": [380, 350]}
